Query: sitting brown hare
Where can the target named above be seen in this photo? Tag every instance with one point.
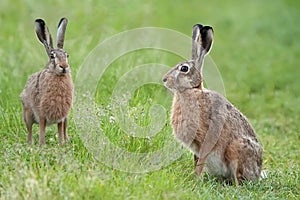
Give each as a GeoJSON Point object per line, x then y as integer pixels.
{"type": "Point", "coordinates": [220, 136]}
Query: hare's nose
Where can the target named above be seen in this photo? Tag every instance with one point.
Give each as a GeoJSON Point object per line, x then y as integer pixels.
{"type": "Point", "coordinates": [164, 79]}
{"type": "Point", "coordinates": [64, 70]}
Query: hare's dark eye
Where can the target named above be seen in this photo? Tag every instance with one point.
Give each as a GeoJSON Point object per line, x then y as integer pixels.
{"type": "Point", "coordinates": [184, 68]}
{"type": "Point", "coordinates": [67, 55]}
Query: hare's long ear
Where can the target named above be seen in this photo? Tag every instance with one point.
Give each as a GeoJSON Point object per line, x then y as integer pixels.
{"type": "Point", "coordinates": [61, 29]}
{"type": "Point", "coordinates": [202, 41]}
{"type": "Point", "coordinates": [44, 35]}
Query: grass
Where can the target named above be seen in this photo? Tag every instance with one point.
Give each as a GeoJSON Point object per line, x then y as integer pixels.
{"type": "Point", "coordinates": [256, 50]}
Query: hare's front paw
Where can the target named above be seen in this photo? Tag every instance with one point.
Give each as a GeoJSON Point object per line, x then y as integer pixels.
{"type": "Point", "coordinates": [199, 167]}
{"type": "Point", "coordinates": [196, 158]}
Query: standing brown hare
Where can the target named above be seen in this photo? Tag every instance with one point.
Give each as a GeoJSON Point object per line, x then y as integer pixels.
{"type": "Point", "coordinates": [48, 94]}
{"type": "Point", "coordinates": [223, 141]}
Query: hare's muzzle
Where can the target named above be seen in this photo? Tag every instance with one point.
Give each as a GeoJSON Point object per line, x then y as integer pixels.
{"type": "Point", "coordinates": [166, 81]}
{"type": "Point", "coordinates": [165, 77]}
{"type": "Point", "coordinates": [64, 68]}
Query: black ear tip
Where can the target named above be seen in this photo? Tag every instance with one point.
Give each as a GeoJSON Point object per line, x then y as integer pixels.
{"type": "Point", "coordinates": [198, 25]}
{"type": "Point", "coordinates": [208, 28]}
{"type": "Point", "coordinates": [40, 21]}
{"type": "Point", "coordinates": [61, 20]}
{"type": "Point", "coordinates": [205, 29]}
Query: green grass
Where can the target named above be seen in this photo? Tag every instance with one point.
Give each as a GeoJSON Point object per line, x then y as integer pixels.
{"type": "Point", "coordinates": [256, 49]}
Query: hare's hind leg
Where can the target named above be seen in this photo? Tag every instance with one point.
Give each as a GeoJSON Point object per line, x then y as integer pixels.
{"type": "Point", "coordinates": [232, 158]}
{"type": "Point", "coordinates": [29, 120]}
{"type": "Point", "coordinates": [248, 153]}
{"type": "Point", "coordinates": [60, 127]}
{"type": "Point", "coordinates": [233, 167]}
{"type": "Point", "coordinates": [66, 137]}
{"type": "Point", "coordinates": [42, 123]}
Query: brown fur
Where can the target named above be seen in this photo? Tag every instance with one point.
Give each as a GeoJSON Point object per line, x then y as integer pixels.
{"type": "Point", "coordinates": [48, 95]}
{"type": "Point", "coordinates": [219, 135]}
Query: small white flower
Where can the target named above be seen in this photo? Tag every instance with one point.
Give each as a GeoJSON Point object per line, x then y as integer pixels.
{"type": "Point", "coordinates": [112, 119]}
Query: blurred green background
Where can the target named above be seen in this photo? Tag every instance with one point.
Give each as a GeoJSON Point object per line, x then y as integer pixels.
{"type": "Point", "coordinates": [256, 49]}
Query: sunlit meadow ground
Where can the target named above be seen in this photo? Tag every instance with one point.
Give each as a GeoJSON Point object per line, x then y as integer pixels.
{"type": "Point", "coordinates": [256, 49]}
